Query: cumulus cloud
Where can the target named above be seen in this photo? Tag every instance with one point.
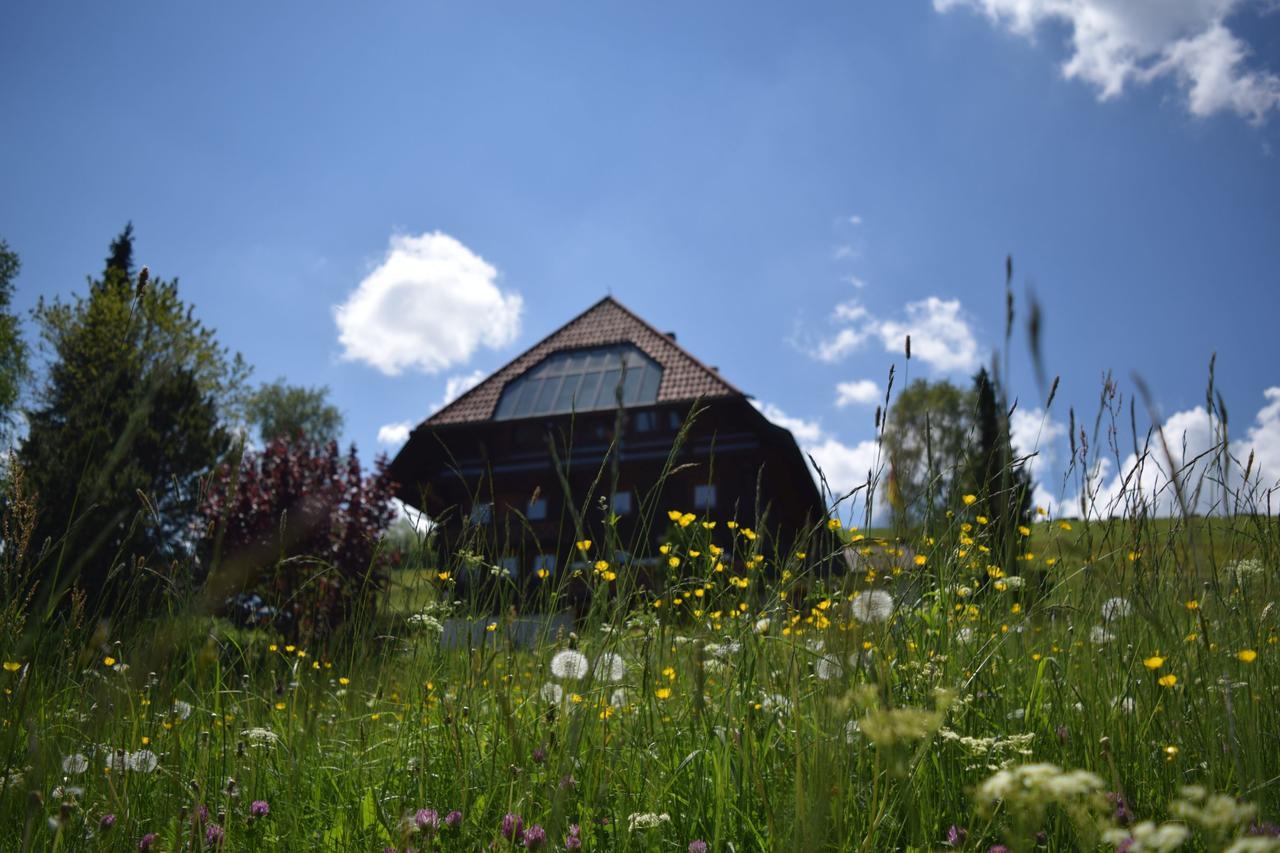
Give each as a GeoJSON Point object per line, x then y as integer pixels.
{"type": "Point", "coordinates": [845, 467]}
{"type": "Point", "coordinates": [394, 434]}
{"type": "Point", "coordinates": [863, 392]}
{"type": "Point", "coordinates": [1115, 43]}
{"type": "Point", "coordinates": [941, 335]}
{"type": "Point", "coordinates": [428, 306]}
{"type": "Point", "coordinates": [1193, 466]}
{"type": "Point", "coordinates": [1032, 431]}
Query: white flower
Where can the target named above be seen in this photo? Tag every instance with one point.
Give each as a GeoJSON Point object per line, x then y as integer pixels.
{"type": "Point", "coordinates": [964, 635]}
{"type": "Point", "coordinates": [570, 664]}
{"type": "Point", "coordinates": [1099, 635]}
{"type": "Point", "coordinates": [827, 667]}
{"type": "Point", "coordinates": [723, 650]}
{"type": "Point", "coordinates": [851, 732]}
{"type": "Point", "coordinates": [427, 622]}
{"type": "Point", "coordinates": [1116, 608]}
{"type": "Point", "coordinates": [75, 763]}
{"type": "Point", "coordinates": [774, 703]}
{"type": "Point", "coordinates": [552, 693]}
{"type": "Point", "coordinates": [1012, 582]}
{"type": "Point", "coordinates": [143, 761]}
{"type": "Point", "coordinates": [646, 820]}
{"type": "Point", "coordinates": [260, 735]}
{"type": "Point", "coordinates": [873, 606]}
{"type": "Point", "coordinates": [181, 709]}
{"type": "Point", "coordinates": [618, 699]}
{"type": "Point", "coordinates": [762, 625]}
{"type": "Point", "coordinates": [610, 667]}
{"type": "Point", "coordinates": [1125, 704]}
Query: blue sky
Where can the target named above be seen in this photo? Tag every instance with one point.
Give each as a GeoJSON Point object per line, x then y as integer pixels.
{"type": "Point", "coordinates": [790, 189]}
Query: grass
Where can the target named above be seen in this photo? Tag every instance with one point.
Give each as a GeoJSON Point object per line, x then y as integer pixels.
{"type": "Point", "coordinates": [929, 698]}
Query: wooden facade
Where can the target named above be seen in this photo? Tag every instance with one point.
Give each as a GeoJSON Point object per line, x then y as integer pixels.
{"type": "Point", "coordinates": [535, 456]}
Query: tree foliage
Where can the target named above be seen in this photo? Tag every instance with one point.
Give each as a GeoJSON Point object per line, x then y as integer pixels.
{"type": "Point", "coordinates": [290, 536]}
{"type": "Point", "coordinates": [13, 350]}
{"type": "Point", "coordinates": [134, 409]}
{"type": "Point", "coordinates": [1001, 486]}
{"type": "Point", "coordinates": [926, 440]}
{"type": "Point", "coordinates": [293, 412]}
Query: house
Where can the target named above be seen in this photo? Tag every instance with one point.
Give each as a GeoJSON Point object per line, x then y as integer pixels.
{"type": "Point", "coordinates": [606, 415]}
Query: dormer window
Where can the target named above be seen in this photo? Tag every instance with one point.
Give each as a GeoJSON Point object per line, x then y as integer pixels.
{"type": "Point", "coordinates": [581, 381]}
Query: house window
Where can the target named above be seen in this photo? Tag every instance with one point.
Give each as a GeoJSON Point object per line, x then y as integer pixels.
{"type": "Point", "coordinates": [580, 381]}
{"type": "Point", "coordinates": [510, 565]}
{"type": "Point", "coordinates": [482, 513]}
{"type": "Point", "coordinates": [704, 496]}
{"type": "Point", "coordinates": [622, 503]}
{"type": "Point", "coordinates": [646, 421]}
{"type": "Point", "coordinates": [537, 509]}
{"type": "Point", "coordinates": [545, 561]}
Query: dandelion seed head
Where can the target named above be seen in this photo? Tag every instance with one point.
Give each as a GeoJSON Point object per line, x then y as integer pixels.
{"type": "Point", "coordinates": [568, 664]}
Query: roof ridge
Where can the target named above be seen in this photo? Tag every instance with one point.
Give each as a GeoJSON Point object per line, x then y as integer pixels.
{"type": "Point", "coordinates": [484, 388]}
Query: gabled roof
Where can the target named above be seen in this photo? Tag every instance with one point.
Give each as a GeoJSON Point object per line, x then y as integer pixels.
{"type": "Point", "coordinates": [606, 322]}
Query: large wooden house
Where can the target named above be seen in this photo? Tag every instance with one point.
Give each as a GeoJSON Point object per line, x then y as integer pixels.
{"type": "Point", "coordinates": [583, 425]}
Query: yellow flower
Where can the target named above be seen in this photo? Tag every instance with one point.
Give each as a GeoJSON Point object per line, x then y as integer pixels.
{"type": "Point", "coordinates": [673, 562]}
{"type": "Point", "coordinates": [1153, 662]}
{"type": "Point", "coordinates": [1247, 655]}
{"type": "Point", "coordinates": [290, 649]}
{"type": "Point", "coordinates": [1023, 530]}
{"type": "Point", "coordinates": [1193, 605]}
{"type": "Point", "coordinates": [343, 680]}
{"type": "Point", "coordinates": [921, 559]}
{"type": "Point", "coordinates": [686, 519]}
{"type": "Point", "coordinates": [1168, 680]}
{"type": "Point", "coordinates": [609, 576]}
{"type": "Point", "coordinates": [708, 525]}
{"type": "Point", "coordinates": [543, 574]}
{"type": "Point", "coordinates": [1171, 751]}
{"type": "Point", "coordinates": [664, 548]}
{"type": "Point", "coordinates": [970, 500]}
{"type": "Point", "coordinates": [12, 666]}
{"type": "Point", "coordinates": [670, 673]}
{"type": "Point", "coordinates": [749, 533]}
{"type": "Point", "coordinates": [583, 545]}
{"type": "Point", "coordinates": [981, 519]}
{"type": "Point", "coordinates": [108, 661]}
{"type": "Point", "coordinates": [442, 576]}
{"type": "Point", "coordinates": [663, 693]}
{"type": "Point", "coordinates": [280, 706]}
{"type": "Point", "coordinates": [491, 627]}
{"type": "Point", "coordinates": [601, 565]}
{"type": "Point", "coordinates": [800, 555]}
{"type": "Point", "coordinates": [273, 648]}
{"type": "Point", "coordinates": [833, 524]}
{"type": "Point", "coordinates": [1064, 525]}
{"type": "Point", "coordinates": [674, 514]}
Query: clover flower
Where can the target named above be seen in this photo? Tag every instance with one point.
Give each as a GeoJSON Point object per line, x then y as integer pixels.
{"type": "Point", "coordinates": [535, 837]}
{"type": "Point", "coordinates": [215, 835]}
{"type": "Point", "coordinates": [698, 846]}
{"type": "Point", "coordinates": [147, 841]}
{"type": "Point", "coordinates": [453, 819]}
{"type": "Point", "coordinates": [107, 821]}
{"type": "Point", "coordinates": [573, 841]}
{"type": "Point", "coordinates": [259, 809]}
{"type": "Point", "coordinates": [512, 827]}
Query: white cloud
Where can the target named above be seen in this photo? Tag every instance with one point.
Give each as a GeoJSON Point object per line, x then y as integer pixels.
{"type": "Point", "coordinates": [1194, 444]}
{"type": "Point", "coordinates": [394, 434]}
{"type": "Point", "coordinates": [845, 467]}
{"type": "Point", "coordinates": [1032, 431]}
{"type": "Point", "coordinates": [855, 219]}
{"type": "Point", "coordinates": [1115, 43]}
{"type": "Point", "coordinates": [428, 306]}
{"type": "Point", "coordinates": [844, 252]}
{"type": "Point", "coordinates": [863, 392]}
{"type": "Point", "coordinates": [941, 335]}
{"type": "Point", "coordinates": [856, 281]}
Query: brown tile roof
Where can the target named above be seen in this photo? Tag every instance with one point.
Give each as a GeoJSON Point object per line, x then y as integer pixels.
{"type": "Point", "coordinates": [606, 322]}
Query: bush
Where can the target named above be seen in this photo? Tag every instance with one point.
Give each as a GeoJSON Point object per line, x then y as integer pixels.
{"type": "Point", "coordinates": [290, 537]}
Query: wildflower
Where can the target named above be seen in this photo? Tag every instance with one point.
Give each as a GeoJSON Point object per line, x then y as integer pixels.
{"type": "Point", "coordinates": [1153, 662]}
{"type": "Point", "coordinates": [920, 559]}
{"type": "Point", "coordinates": [1247, 655]}
{"type": "Point", "coordinates": [646, 820]}
{"type": "Point", "coordinates": [981, 519]}
{"type": "Point", "coordinates": [1168, 680]}
{"type": "Point", "coordinates": [1171, 752]}
{"type": "Point", "coordinates": [108, 661]}
{"type": "Point", "coordinates": [956, 836]}
{"type": "Point", "coordinates": [663, 693]}
{"type": "Point", "coordinates": [569, 664]}
{"type": "Point", "coordinates": [827, 667]}
{"type": "Point", "coordinates": [107, 821]}
{"type": "Point", "coordinates": [75, 764]}
{"type": "Point", "coordinates": [535, 837]}
{"type": "Point", "coordinates": [833, 524]}
{"type": "Point", "coordinates": [552, 693]}
{"type": "Point", "coordinates": [261, 735]}
{"type": "Point", "coordinates": [427, 820]}
{"type": "Point", "coordinates": [609, 667]}
{"type": "Point", "coordinates": [12, 666]}
{"type": "Point", "coordinates": [1099, 635]}
{"type": "Point", "coordinates": [873, 607]}
{"type": "Point", "coordinates": [1193, 605]}
{"type": "Point", "coordinates": [453, 819]}
{"type": "Point", "coordinates": [618, 699]}
{"type": "Point", "coordinates": [970, 500]}
{"type": "Point", "coordinates": [1116, 608]}
{"type": "Point", "coordinates": [512, 827]}
{"type": "Point", "coordinates": [147, 841]}
{"type": "Point", "coordinates": [698, 846]}
{"type": "Point", "coordinates": [215, 835]}
{"type": "Point", "coordinates": [583, 545]}
{"type": "Point", "coordinates": [573, 841]}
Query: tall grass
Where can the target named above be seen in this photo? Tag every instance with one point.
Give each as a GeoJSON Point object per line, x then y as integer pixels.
{"type": "Point", "coordinates": [860, 690]}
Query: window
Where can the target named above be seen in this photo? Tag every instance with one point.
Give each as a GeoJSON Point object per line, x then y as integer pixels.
{"type": "Point", "coordinates": [510, 565]}
{"type": "Point", "coordinates": [704, 496]}
{"type": "Point", "coordinates": [537, 510]}
{"type": "Point", "coordinates": [582, 380]}
{"type": "Point", "coordinates": [545, 561]}
{"type": "Point", "coordinates": [622, 503]}
{"type": "Point", "coordinates": [646, 421]}
{"type": "Point", "coordinates": [482, 513]}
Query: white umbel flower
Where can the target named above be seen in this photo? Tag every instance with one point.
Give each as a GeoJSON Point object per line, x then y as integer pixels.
{"type": "Point", "coordinates": [568, 664]}
{"type": "Point", "coordinates": [646, 820]}
{"type": "Point", "coordinates": [872, 607]}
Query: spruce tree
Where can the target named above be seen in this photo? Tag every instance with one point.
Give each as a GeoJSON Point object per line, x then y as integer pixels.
{"type": "Point", "coordinates": [1002, 488]}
